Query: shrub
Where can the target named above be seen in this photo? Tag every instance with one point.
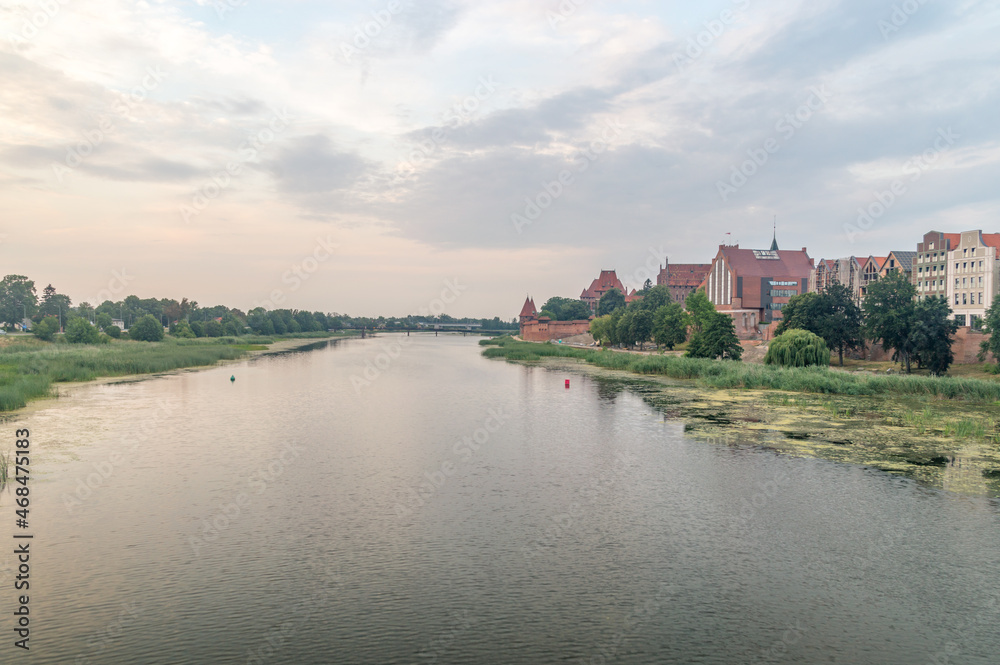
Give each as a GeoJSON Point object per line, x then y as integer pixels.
{"type": "Point", "coordinates": [113, 331]}
{"type": "Point", "coordinates": [146, 329]}
{"type": "Point", "coordinates": [797, 348]}
{"type": "Point", "coordinates": [79, 331]}
{"type": "Point", "coordinates": [46, 328]}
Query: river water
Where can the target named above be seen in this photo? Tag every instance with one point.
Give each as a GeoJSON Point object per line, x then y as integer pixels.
{"type": "Point", "coordinates": [403, 500]}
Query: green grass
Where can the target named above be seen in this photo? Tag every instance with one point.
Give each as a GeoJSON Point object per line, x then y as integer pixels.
{"type": "Point", "coordinates": [28, 368]}
{"type": "Point", "coordinates": [729, 374]}
{"type": "Point", "coordinates": [4, 468]}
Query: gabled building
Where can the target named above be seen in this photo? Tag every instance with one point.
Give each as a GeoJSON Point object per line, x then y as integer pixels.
{"type": "Point", "coordinates": [973, 276]}
{"type": "Point", "coordinates": [682, 279]}
{"type": "Point", "coordinates": [871, 268]}
{"type": "Point", "coordinates": [846, 271]}
{"type": "Point", "coordinates": [528, 311]}
{"type": "Point", "coordinates": [607, 280]}
{"type": "Point", "coordinates": [899, 261]}
{"type": "Point", "coordinates": [930, 268]}
{"type": "Point", "coordinates": [752, 285]}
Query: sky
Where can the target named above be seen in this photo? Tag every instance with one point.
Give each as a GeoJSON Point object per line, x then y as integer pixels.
{"type": "Point", "coordinates": [398, 157]}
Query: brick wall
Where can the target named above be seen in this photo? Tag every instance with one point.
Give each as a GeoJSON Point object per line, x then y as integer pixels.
{"type": "Point", "coordinates": [540, 331]}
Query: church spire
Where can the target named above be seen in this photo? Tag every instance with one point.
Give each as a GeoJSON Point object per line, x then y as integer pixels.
{"type": "Point", "coordinates": [774, 238]}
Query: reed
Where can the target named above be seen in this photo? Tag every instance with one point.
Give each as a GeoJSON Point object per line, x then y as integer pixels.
{"type": "Point", "coordinates": [730, 374]}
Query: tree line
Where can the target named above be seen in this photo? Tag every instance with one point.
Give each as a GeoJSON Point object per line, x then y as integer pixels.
{"type": "Point", "coordinates": [146, 318]}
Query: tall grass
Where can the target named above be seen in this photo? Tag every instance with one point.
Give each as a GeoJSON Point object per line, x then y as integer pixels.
{"type": "Point", "coordinates": [4, 468]}
{"type": "Point", "coordinates": [27, 370]}
{"type": "Point", "coordinates": [730, 374]}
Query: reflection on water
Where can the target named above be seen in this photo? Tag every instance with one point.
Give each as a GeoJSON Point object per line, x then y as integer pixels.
{"type": "Point", "coordinates": [460, 510]}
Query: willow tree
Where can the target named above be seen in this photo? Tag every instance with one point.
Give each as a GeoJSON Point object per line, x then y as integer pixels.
{"type": "Point", "coordinates": [797, 348]}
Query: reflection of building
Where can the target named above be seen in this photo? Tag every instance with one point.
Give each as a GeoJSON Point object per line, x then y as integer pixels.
{"type": "Point", "coordinates": [930, 268]}
{"type": "Point", "coordinates": [682, 278]}
{"type": "Point", "coordinates": [972, 275]}
{"type": "Point", "coordinates": [756, 283]}
{"type": "Point", "coordinates": [607, 280]}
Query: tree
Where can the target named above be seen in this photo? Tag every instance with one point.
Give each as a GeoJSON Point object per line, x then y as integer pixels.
{"type": "Point", "coordinates": [700, 308]}
{"type": "Point", "coordinates": [716, 339]}
{"type": "Point", "coordinates": [641, 327]}
{"type": "Point", "coordinates": [646, 286]}
{"type": "Point", "coordinates": [610, 301]}
{"type": "Point", "coordinates": [104, 321]}
{"type": "Point", "coordinates": [147, 329]}
{"type": "Point", "coordinates": [54, 304]}
{"type": "Point", "coordinates": [654, 298]}
{"type": "Point", "coordinates": [600, 329]}
{"type": "Point", "coordinates": [670, 324]}
{"type": "Point", "coordinates": [17, 299]}
{"type": "Point", "coordinates": [842, 327]}
{"type": "Point", "coordinates": [181, 329]}
{"type": "Point", "coordinates": [624, 330]}
{"type": "Point", "coordinates": [889, 315]}
{"type": "Point", "coordinates": [931, 334]}
{"type": "Point", "coordinates": [833, 315]}
{"type": "Point", "coordinates": [797, 348]}
{"type": "Point", "coordinates": [79, 331]}
{"type": "Point", "coordinates": [46, 328]}
{"type": "Point", "coordinates": [212, 328]}
{"type": "Point", "coordinates": [113, 331]}
{"type": "Point", "coordinates": [991, 326]}
{"type": "Point", "coordinates": [562, 309]}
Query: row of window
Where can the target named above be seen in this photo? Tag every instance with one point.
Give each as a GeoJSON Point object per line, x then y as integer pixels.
{"type": "Point", "coordinates": [968, 265]}
{"type": "Point", "coordinates": [783, 293]}
{"type": "Point", "coordinates": [971, 300]}
{"type": "Point", "coordinates": [971, 282]}
{"type": "Point", "coordinates": [966, 253]}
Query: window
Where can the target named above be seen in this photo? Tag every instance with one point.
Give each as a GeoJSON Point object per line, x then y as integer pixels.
{"type": "Point", "coordinates": [783, 293]}
{"type": "Point", "coordinates": [980, 265]}
{"type": "Point", "coordinates": [965, 252]}
{"type": "Point", "coordinates": [980, 280]}
{"type": "Point", "coordinates": [980, 297]}
{"type": "Point", "coordinates": [964, 281]}
{"type": "Point", "coordinates": [956, 282]}
{"type": "Point", "coordinates": [956, 298]}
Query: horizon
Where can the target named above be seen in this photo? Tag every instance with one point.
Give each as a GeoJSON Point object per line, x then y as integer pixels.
{"type": "Point", "coordinates": [369, 157]}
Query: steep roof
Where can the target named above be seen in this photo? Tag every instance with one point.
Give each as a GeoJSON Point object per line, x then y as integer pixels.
{"type": "Point", "coordinates": [990, 239]}
{"type": "Point", "coordinates": [529, 308]}
{"type": "Point", "coordinates": [905, 259]}
{"type": "Point", "coordinates": [747, 264]}
{"type": "Point", "coordinates": [687, 274]}
{"type": "Point", "coordinates": [607, 280]}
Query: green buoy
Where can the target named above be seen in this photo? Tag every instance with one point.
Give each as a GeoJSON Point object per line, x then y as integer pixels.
{"type": "Point", "coordinates": [232, 378]}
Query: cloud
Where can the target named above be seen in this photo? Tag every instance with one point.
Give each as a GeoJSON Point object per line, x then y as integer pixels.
{"type": "Point", "coordinates": [313, 165]}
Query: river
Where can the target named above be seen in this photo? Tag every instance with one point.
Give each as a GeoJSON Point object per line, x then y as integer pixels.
{"type": "Point", "coordinates": [404, 500]}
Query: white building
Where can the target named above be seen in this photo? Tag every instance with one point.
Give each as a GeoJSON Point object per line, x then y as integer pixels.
{"type": "Point", "coordinates": [973, 276]}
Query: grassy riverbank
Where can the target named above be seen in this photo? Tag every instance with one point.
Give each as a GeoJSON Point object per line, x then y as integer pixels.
{"type": "Point", "coordinates": [29, 367]}
{"type": "Point", "coordinates": [728, 374]}
{"type": "Point", "coordinates": [941, 431]}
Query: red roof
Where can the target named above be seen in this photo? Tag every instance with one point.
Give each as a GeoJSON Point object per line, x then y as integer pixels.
{"type": "Point", "coordinates": [991, 239]}
{"type": "Point", "coordinates": [529, 308]}
{"type": "Point", "coordinates": [607, 281]}
{"type": "Point", "coordinates": [955, 238]}
{"type": "Point", "coordinates": [686, 274]}
{"type": "Point", "coordinates": [745, 263]}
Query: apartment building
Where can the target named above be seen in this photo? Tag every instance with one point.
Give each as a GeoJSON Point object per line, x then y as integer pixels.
{"type": "Point", "coordinates": [973, 276]}
{"type": "Point", "coordinates": [930, 267]}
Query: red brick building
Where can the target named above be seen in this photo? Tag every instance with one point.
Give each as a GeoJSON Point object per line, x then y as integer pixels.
{"type": "Point", "coordinates": [539, 329]}
{"type": "Point", "coordinates": [752, 285]}
{"type": "Point", "coordinates": [683, 279]}
{"type": "Point", "coordinates": [607, 280]}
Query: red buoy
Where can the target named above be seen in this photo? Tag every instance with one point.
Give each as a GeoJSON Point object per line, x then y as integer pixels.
{"type": "Point", "coordinates": [567, 383]}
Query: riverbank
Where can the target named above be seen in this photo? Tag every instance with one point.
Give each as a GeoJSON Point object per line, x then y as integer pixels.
{"type": "Point", "coordinates": [944, 435]}
{"type": "Point", "coordinates": [31, 369]}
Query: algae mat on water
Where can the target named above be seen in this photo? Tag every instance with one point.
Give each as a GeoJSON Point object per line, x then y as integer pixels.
{"type": "Point", "coordinates": [950, 444]}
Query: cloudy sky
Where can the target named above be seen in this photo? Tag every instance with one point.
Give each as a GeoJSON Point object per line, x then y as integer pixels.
{"type": "Point", "coordinates": [368, 156]}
